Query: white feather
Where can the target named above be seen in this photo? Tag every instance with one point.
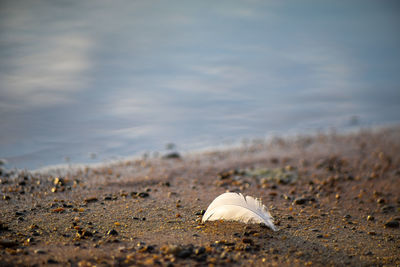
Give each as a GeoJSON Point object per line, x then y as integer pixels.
{"type": "Point", "coordinates": [235, 207]}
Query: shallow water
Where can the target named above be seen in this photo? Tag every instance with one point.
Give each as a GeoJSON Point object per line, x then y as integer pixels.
{"type": "Point", "coordinates": [87, 82]}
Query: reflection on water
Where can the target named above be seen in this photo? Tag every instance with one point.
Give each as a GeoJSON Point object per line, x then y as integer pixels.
{"type": "Point", "coordinates": [89, 81]}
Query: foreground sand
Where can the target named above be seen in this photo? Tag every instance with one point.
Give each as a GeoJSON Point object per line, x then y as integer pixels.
{"type": "Point", "coordinates": [335, 200]}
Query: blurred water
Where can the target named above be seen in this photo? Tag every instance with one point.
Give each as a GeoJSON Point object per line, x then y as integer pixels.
{"type": "Point", "coordinates": [86, 81]}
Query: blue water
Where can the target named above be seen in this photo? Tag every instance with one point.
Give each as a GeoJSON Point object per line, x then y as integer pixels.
{"type": "Point", "coordinates": [87, 81]}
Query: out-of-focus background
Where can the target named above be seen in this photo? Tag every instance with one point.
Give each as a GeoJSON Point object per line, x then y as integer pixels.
{"type": "Point", "coordinates": [88, 81]}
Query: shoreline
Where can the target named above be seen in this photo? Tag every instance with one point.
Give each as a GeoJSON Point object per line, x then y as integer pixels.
{"type": "Point", "coordinates": [196, 149]}
{"type": "Point", "coordinates": [322, 190]}
{"type": "Point", "coordinates": [64, 168]}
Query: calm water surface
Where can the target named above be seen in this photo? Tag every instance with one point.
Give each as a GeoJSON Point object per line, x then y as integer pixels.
{"type": "Point", "coordinates": [87, 81]}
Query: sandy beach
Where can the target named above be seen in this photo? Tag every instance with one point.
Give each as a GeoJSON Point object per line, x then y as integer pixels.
{"type": "Point", "coordinates": [335, 199]}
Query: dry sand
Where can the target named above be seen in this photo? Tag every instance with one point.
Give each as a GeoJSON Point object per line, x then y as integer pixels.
{"type": "Point", "coordinates": [335, 199]}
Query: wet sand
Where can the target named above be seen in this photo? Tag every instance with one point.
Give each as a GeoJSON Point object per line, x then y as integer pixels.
{"type": "Point", "coordinates": [335, 199]}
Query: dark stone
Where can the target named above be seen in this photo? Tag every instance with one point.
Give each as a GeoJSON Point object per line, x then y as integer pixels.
{"type": "Point", "coordinates": [143, 194]}
{"type": "Point", "coordinates": [8, 243]}
{"type": "Point", "coordinates": [300, 201]}
{"type": "Point", "coordinates": [91, 199]}
{"type": "Point", "coordinates": [381, 201]}
{"type": "Point", "coordinates": [201, 258]}
{"type": "Point", "coordinates": [199, 250]}
{"type": "Point", "coordinates": [247, 248]}
{"type": "Point", "coordinates": [87, 234]}
{"type": "Point", "coordinates": [52, 261]}
{"type": "Point", "coordinates": [247, 241]}
{"type": "Point", "coordinates": [112, 232]}
{"type": "Point", "coordinates": [387, 209]}
{"type": "Point", "coordinates": [274, 160]}
{"type": "Point", "coordinates": [201, 212]}
{"type": "Point", "coordinates": [392, 224]}
{"type": "Point", "coordinates": [185, 253]}
{"type": "Point", "coordinates": [224, 175]}
{"type": "Point", "coordinates": [40, 251]}
{"type": "Point", "coordinates": [36, 233]}
{"type": "Point", "coordinates": [30, 240]}
{"type": "Point", "coordinates": [172, 155]}
{"type": "Point", "coordinates": [3, 227]}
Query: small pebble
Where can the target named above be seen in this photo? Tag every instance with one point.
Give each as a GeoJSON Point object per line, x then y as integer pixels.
{"type": "Point", "coordinates": [52, 261]}
{"type": "Point", "coordinates": [201, 212]}
{"type": "Point", "coordinates": [58, 181]}
{"type": "Point", "coordinates": [91, 199]}
{"type": "Point", "coordinates": [112, 232]}
{"type": "Point", "coordinates": [388, 208]}
{"type": "Point", "coordinates": [392, 224]}
{"type": "Point", "coordinates": [170, 249]}
{"type": "Point", "coordinates": [199, 250]}
{"type": "Point", "coordinates": [300, 201]}
{"type": "Point", "coordinates": [58, 210]}
{"type": "Point", "coordinates": [8, 243]}
{"type": "Point", "coordinates": [172, 155]}
{"type": "Point", "coordinates": [143, 194]}
{"type": "Point", "coordinates": [381, 201]}
{"type": "Point", "coordinates": [247, 241]}
{"type": "Point", "coordinates": [184, 253]}
{"type": "Point", "coordinates": [39, 251]}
